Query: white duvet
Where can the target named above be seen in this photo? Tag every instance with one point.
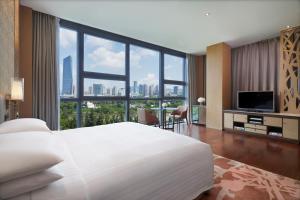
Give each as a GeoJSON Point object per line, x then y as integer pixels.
{"type": "Point", "coordinates": [129, 161]}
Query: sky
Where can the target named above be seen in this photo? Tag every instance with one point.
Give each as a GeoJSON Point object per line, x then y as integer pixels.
{"type": "Point", "coordinates": [106, 56]}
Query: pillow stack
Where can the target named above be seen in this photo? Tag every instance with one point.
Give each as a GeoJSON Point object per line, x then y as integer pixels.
{"type": "Point", "coordinates": [28, 153]}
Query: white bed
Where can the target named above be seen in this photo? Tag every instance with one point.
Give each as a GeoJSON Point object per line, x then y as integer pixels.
{"type": "Point", "coordinates": [128, 161]}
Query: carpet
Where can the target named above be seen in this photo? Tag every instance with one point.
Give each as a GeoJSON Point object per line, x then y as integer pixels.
{"type": "Point", "coordinates": [236, 180]}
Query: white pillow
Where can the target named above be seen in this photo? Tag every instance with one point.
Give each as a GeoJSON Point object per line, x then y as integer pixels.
{"type": "Point", "coordinates": [23, 124]}
{"type": "Point", "coordinates": [29, 183]}
{"type": "Point", "coordinates": [27, 153]}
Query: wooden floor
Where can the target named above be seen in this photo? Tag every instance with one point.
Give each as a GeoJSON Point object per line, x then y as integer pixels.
{"type": "Point", "coordinates": [275, 156]}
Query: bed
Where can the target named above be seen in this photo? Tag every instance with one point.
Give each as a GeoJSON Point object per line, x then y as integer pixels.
{"type": "Point", "coordinates": [128, 161]}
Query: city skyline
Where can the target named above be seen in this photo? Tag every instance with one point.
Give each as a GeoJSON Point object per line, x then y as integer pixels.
{"type": "Point", "coordinates": [107, 56]}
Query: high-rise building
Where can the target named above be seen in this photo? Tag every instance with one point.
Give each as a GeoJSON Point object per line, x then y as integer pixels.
{"type": "Point", "coordinates": [113, 91]}
{"type": "Point", "coordinates": [151, 90]}
{"type": "Point", "coordinates": [146, 90]}
{"type": "Point", "coordinates": [141, 89]}
{"type": "Point", "coordinates": [67, 82]}
{"type": "Point", "coordinates": [97, 89]}
{"type": "Point", "coordinates": [175, 90]}
{"type": "Point", "coordinates": [135, 87]}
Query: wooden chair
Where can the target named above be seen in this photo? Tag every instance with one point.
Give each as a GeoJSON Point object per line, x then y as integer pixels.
{"type": "Point", "coordinates": [147, 117]}
{"type": "Point", "coordinates": [179, 115]}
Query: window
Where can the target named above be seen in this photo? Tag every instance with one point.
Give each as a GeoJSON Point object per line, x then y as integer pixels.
{"type": "Point", "coordinates": [102, 112]}
{"type": "Point", "coordinates": [68, 115]}
{"type": "Point", "coordinates": [105, 77]}
{"type": "Point", "coordinates": [68, 63]}
{"type": "Point", "coordinates": [99, 87]}
{"type": "Point", "coordinates": [103, 56]}
{"type": "Point", "coordinates": [174, 90]}
{"type": "Point", "coordinates": [144, 72]}
{"type": "Point", "coordinates": [149, 104]}
{"type": "Point", "coordinates": [174, 68]}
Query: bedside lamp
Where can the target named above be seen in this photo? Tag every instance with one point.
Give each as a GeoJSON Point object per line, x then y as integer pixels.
{"type": "Point", "coordinates": [17, 92]}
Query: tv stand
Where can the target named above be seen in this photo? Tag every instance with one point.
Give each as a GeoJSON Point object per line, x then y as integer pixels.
{"type": "Point", "coordinates": [272, 125]}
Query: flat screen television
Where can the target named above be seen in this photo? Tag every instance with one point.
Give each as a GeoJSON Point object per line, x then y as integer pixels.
{"type": "Point", "coordinates": [262, 101]}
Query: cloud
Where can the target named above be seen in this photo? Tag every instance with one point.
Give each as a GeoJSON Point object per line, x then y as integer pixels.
{"type": "Point", "coordinates": [150, 79]}
{"type": "Point", "coordinates": [105, 57]}
{"type": "Point", "coordinates": [67, 37]}
{"type": "Point", "coordinates": [137, 53]}
{"type": "Point", "coordinates": [92, 41]}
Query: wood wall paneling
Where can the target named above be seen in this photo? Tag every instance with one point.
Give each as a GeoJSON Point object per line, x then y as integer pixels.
{"type": "Point", "coordinates": [201, 76]}
{"type": "Point", "coordinates": [290, 70]}
{"type": "Point", "coordinates": [9, 43]}
{"type": "Point", "coordinates": [25, 70]}
{"type": "Point", "coordinates": [218, 84]}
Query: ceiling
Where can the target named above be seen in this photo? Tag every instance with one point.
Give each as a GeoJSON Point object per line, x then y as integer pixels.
{"type": "Point", "coordinates": [181, 25]}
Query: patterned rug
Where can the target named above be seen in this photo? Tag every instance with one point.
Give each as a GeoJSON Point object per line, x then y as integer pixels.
{"type": "Point", "coordinates": [235, 180]}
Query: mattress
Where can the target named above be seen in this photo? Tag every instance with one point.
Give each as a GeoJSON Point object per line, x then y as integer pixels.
{"type": "Point", "coordinates": [129, 161]}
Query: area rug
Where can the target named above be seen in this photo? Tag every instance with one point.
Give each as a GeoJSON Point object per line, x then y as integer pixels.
{"type": "Point", "coordinates": [236, 180]}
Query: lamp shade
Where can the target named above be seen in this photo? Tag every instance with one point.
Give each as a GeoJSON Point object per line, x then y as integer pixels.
{"type": "Point", "coordinates": [17, 89]}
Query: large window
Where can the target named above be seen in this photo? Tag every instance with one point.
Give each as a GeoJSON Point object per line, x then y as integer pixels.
{"type": "Point", "coordinates": [105, 77]}
{"type": "Point", "coordinates": [144, 72]}
{"type": "Point", "coordinates": [103, 56]}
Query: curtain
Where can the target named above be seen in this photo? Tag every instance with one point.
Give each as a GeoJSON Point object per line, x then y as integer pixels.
{"type": "Point", "coordinates": [192, 82]}
{"type": "Point", "coordinates": [45, 68]}
{"type": "Point", "coordinates": [255, 68]}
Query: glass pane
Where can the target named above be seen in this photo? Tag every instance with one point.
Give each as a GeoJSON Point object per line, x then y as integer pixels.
{"type": "Point", "coordinates": [102, 112]}
{"type": "Point", "coordinates": [172, 103]}
{"type": "Point", "coordinates": [173, 67]}
{"type": "Point", "coordinates": [173, 90]}
{"type": "Point", "coordinates": [100, 87]}
{"type": "Point", "coordinates": [144, 72]}
{"type": "Point", "coordinates": [68, 113]}
{"type": "Point", "coordinates": [103, 56]}
{"type": "Point", "coordinates": [68, 63]}
{"type": "Point", "coordinates": [149, 104]}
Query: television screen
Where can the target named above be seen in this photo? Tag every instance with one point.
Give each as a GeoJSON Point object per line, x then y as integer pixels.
{"type": "Point", "coordinates": [256, 101]}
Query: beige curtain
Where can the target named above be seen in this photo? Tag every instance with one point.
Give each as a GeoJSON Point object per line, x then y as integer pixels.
{"type": "Point", "coordinates": [255, 68]}
{"type": "Point", "coordinates": [192, 82]}
{"type": "Point", "coordinates": [45, 92]}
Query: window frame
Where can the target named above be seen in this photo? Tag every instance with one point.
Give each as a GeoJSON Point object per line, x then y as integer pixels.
{"type": "Point", "coordinates": [81, 74]}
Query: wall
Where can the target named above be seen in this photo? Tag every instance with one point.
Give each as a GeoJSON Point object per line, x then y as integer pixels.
{"type": "Point", "coordinates": [26, 59]}
{"type": "Point", "coordinates": [201, 76]}
{"type": "Point", "coordinates": [218, 84]}
{"type": "Point", "coordinates": [9, 43]}
{"type": "Point", "coordinates": [290, 70]}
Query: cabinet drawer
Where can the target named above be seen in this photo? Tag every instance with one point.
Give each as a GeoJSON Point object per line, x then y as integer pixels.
{"type": "Point", "coordinates": [228, 120]}
{"type": "Point", "coordinates": [261, 127]}
{"type": "Point", "coordinates": [240, 118]}
{"type": "Point", "coordinates": [253, 130]}
{"type": "Point", "coordinates": [256, 126]}
{"type": "Point", "coordinates": [291, 128]}
{"type": "Point", "coordinates": [250, 130]}
{"type": "Point", "coordinates": [273, 121]}
{"type": "Point", "coordinates": [264, 132]}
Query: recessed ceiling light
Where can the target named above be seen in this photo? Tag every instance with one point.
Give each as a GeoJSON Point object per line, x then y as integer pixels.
{"type": "Point", "coordinates": [207, 14]}
{"type": "Point", "coordinates": [288, 26]}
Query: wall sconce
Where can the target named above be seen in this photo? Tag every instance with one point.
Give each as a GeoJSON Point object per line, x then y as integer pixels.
{"type": "Point", "coordinates": [17, 93]}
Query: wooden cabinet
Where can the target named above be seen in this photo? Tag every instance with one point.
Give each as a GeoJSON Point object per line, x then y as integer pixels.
{"type": "Point", "coordinates": [240, 118]}
{"type": "Point", "coordinates": [273, 121]}
{"type": "Point", "coordinates": [228, 120]}
{"type": "Point", "coordinates": [273, 125]}
{"type": "Point", "coordinates": [291, 128]}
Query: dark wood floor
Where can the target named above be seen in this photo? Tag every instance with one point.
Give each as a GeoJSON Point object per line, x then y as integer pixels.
{"type": "Point", "coordinates": [275, 156]}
